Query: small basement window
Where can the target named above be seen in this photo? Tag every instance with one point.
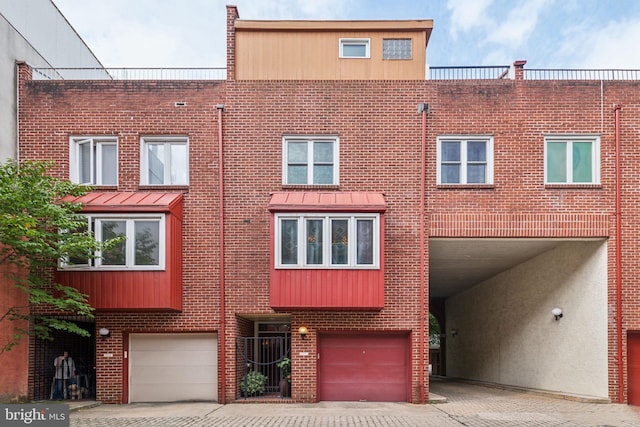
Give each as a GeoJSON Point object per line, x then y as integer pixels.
{"type": "Point", "coordinates": [355, 48]}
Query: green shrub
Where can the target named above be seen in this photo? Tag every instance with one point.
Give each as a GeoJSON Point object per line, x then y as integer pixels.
{"type": "Point", "coordinates": [253, 384]}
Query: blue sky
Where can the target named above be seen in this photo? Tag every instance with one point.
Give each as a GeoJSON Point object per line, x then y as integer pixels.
{"type": "Point", "coordinates": [546, 33]}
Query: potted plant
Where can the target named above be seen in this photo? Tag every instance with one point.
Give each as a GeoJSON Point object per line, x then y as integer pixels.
{"type": "Point", "coordinates": [285, 382]}
{"type": "Point", "coordinates": [253, 383]}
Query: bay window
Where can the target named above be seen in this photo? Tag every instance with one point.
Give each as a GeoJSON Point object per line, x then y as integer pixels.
{"type": "Point", "coordinates": [327, 241]}
{"type": "Point", "coordinates": [142, 246]}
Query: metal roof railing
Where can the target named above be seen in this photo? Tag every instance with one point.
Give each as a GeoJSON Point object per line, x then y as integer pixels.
{"type": "Point", "coordinates": [580, 74]}
{"type": "Point", "coordinates": [129, 73]}
{"type": "Point", "coordinates": [491, 72]}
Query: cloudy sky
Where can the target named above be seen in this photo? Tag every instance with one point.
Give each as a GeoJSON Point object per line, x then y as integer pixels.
{"type": "Point", "coordinates": [546, 33]}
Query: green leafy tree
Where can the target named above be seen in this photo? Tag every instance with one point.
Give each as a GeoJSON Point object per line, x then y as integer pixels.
{"type": "Point", "coordinates": [37, 229]}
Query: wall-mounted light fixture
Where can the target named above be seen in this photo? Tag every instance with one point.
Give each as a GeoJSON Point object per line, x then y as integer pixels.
{"type": "Point", "coordinates": [104, 333]}
{"type": "Point", "coordinates": [302, 330]}
{"type": "Point", "coordinates": [557, 312]}
{"type": "Point", "coordinates": [454, 332]}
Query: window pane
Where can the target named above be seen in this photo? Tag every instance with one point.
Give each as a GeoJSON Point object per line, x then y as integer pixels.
{"type": "Point", "coordinates": [323, 174]}
{"type": "Point", "coordinates": [109, 164]}
{"type": "Point", "coordinates": [84, 151]}
{"type": "Point", "coordinates": [179, 164]}
{"type": "Point", "coordinates": [297, 175]}
{"type": "Point", "coordinates": [314, 241]}
{"type": "Point", "coordinates": [476, 151]}
{"type": "Point", "coordinates": [582, 162]}
{"type": "Point", "coordinates": [323, 152]}
{"type": "Point", "coordinates": [355, 50]}
{"type": "Point", "coordinates": [396, 49]}
{"type": "Point", "coordinates": [297, 152]}
{"type": "Point", "coordinates": [450, 174]}
{"type": "Point", "coordinates": [365, 241]}
{"type": "Point", "coordinates": [556, 162]}
{"type": "Point", "coordinates": [117, 254]}
{"type": "Point", "coordinates": [476, 174]}
{"type": "Point", "coordinates": [339, 241]}
{"type": "Point", "coordinates": [289, 241]}
{"type": "Point", "coordinates": [450, 151]}
{"type": "Point", "coordinates": [156, 159]}
{"type": "Point", "coordinates": [147, 242]}
{"type": "Point", "coordinates": [80, 258]}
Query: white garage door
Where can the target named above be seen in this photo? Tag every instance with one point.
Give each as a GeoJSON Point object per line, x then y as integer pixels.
{"type": "Point", "coordinates": [173, 367]}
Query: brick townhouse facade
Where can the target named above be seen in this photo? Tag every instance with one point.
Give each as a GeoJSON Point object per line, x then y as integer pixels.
{"type": "Point", "coordinates": [323, 219]}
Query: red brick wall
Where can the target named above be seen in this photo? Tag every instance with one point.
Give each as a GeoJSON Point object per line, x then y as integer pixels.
{"type": "Point", "coordinates": [380, 140]}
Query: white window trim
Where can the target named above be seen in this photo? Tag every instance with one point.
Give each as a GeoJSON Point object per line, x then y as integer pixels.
{"type": "Point", "coordinates": [463, 158]}
{"type": "Point", "coordinates": [74, 158]}
{"type": "Point", "coordinates": [96, 264]}
{"type": "Point", "coordinates": [570, 139]}
{"type": "Point", "coordinates": [144, 159]}
{"type": "Point", "coordinates": [364, 41]}
{"type": "Point", "coordinates": [326, 218]}
{"type": "Point", "coordinates": [310, 139]}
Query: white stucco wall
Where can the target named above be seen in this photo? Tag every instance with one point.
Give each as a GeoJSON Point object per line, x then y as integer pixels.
{"type": "Point", "coordinates": [33, 31]}
{"type": "Point", "coordinates": [507, 334]}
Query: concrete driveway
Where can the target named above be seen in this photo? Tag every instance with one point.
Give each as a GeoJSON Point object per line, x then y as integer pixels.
{"type": "Point", "coordinates": [467, 405]}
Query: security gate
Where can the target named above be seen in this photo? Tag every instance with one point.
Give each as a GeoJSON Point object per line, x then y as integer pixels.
{"type": "Point", "coordinates": [261, 355]}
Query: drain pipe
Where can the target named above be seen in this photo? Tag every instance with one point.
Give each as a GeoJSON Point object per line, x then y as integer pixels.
{"type": "Point", "coordinates": [423, 109]}
{"type": "Point", "coordinates": [221, 329]}
{"type": "Point", "coordinates": [616, 109]}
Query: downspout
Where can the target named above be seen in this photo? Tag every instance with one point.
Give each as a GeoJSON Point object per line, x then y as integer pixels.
{"type": "Point", "coordinates": [423, 109]}
{"type": "Point", "coordinates": [616, 109]}
{"type": "Point", "coordinates": [221, 329]}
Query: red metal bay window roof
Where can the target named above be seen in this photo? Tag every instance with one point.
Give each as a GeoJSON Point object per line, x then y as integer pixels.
{"type": "Point", "coordinates": [131, 202]}
{"type": "Point", "coordinates": [314, 201]}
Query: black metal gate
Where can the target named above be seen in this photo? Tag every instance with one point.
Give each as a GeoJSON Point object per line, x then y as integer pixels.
{"type": "Point", "coordinates": [261, 355]}
{"type": "Point", "coordinates": [43, 353]}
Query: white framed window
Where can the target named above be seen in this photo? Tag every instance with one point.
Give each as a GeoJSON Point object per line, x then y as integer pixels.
{"type": "Point", "coordinates": [143, 247]}
{"type": "Point", "coordinates": [396, 49]}
{"type": "Point", "coordinates": [93, 160]}
{"type": "Point", "coordinates": [572, 159]}
{"type": "Point", "coordinates": [310, 160]}
{"type": "Point", "coordinates": [164, 160]}
{"type": "Point", "coordinates": [465, 159]}
{"type": "Point", "coordinates": [315, 240]}
{"type": "Point", "coordinates": [355, 48]}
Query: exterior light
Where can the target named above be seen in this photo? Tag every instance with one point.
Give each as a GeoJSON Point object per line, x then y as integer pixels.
{"type": "Point", "coordinates": [104, 333]}
{"type": "Point", "coordinates": [557, 312]}
{"type": "Point", "coordinates": [302, 330]}
{"type": "Point", "coordinates": [454, 332]}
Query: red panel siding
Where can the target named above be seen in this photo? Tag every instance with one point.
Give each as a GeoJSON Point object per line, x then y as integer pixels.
{"type": "Point", "coordinates": [327, 289]}
{"type": "Point", "coordinates": [371, 367]}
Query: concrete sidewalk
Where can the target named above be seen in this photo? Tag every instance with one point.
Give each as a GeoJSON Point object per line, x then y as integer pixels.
{"type": "Point", "coordinates": [467, 405]}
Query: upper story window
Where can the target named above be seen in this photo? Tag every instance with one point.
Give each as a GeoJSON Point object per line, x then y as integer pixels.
{"type": "Point", "coordinates": [164, 161]}
{"type": "Point", "coordinates": [355, 48]}
{"type": "Point", "coordinates": [142, 249]}
{"type": "Point", "coordinates": [465, 160]}
{"type": "Point", "coordinates": [310, 160]}
{"type": "Point", "coordinates": [327, 241]}
{"type": "Point", "coordinates": [396, 49]}
{"type": "Point", "coordinates": [572, 159]}
{"type": "Point", "coordinates": [94, 160]}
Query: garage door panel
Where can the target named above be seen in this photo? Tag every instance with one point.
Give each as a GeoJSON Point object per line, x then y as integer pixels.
{"type": "Point", "coordinates": [371, 367]}
{"type": "Point", "coordinates": [173, 367]}
{"type": "Point", "coordinates": [187, 392]}
{"type": "Point", "coordinates": [171, 358]}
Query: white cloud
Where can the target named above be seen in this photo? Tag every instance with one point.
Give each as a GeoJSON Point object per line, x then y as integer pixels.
{"type": "Point", "coordinates": [467, 15]}
{"type": "Point", "coordinates": [614, 45]}
{"type": "Point", "coordinates": [519, 24]}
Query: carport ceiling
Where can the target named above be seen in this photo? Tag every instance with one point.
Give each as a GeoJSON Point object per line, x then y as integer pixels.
{"type": "Point", "coordinates": [458, 264]}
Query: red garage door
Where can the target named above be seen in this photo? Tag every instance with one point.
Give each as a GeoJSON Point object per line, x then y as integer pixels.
{"type": "Point", "coordinates": [364, 367]}
{"type": "Point", "coordinates": [633, 361]}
